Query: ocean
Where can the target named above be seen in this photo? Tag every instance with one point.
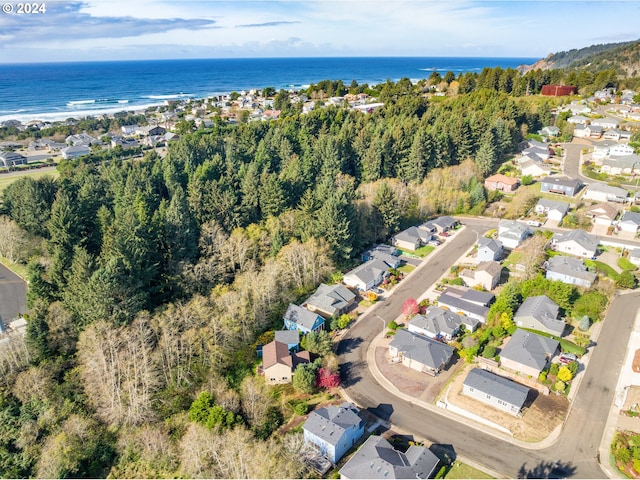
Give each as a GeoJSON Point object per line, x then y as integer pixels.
{"type": "Point", "coordinates": [56, 91]}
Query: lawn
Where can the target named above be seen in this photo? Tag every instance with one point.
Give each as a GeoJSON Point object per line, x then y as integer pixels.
{"type": "Point", "coordinates": [462, 470]}
{"type": "Point", "coordinates": [406, 268]}
{"type": "Point", "coordinates": [8, 179]}
{"type": "Point", "coordinates": [602, 267]}
{"type": "Point", "coordinates": [17, 268]}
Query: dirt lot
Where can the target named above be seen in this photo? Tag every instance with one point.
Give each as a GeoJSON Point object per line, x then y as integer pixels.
{"type": "Point", "coordinates": [540, 417]}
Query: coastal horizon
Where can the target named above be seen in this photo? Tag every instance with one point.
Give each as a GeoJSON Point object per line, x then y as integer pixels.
{"type": "Point", "coordinates": [81, 89]}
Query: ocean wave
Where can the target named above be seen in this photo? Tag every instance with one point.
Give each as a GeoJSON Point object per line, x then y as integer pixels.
{"type": "Point", "coordinates": [69, 112]}
{"type": "Point", "coordinates": [80, 102]}
{"type": "Point", "coordinates": [123, 101]}
{"type": "Point", "coordinates": [168, 97]}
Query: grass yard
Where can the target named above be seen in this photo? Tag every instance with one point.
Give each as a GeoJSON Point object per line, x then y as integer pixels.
{"type": "Point", "coordinates": [602, 267]}
{"type": "Point", "coordinates": [17, 268]}
{"type": "Point", "coordinates": [8, 178]}
{"type": "Point", "coordinates": [420, 252]}
{"type": "Point", "coordinates": [406, 268]}
{"type": "Point", "coordinates": [462, 470]}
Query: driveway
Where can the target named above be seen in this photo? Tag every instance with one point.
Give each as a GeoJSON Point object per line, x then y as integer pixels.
{"type": "Point", "coordinates": [574, 454]}
{"type": "Point", "coordinates": [13, 295]}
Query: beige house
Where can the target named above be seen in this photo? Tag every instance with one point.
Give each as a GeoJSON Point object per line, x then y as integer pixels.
{"type": "Point", "coordinates": [487, 275]}
{"type": "Point", "coordinates": [278, 364]}
{"type": "Point", "coordinates": [602, 213]}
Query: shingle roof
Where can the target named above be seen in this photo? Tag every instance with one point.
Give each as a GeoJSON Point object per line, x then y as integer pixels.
{"type": "Point", "coordinates": [498, 177]}
{"type": "Point", "coordinates": [437, 320]}
{"type": "Point", "coordinates": [332, 298]}
{"type": "Point", "coordinates": [330, 423]}
{"type": "Point", "coordinates": [276, 352]}
{"type": "Point", "coordinates": [457, 304]}
{"type": "Point", "coordinates": [499, 387]}
{"type": "Point", "coordinates": [547, 204]}
{"type": "Point", "coordinates": [422, 349]}
{"type": "Point", "coordinates": [544, 310]}
{"type": "Point", "coordinates": [376, 458]}
{"type": "Point", "coordinates": [492, 267]}
{"type": "Point", "coordinates": [569, 266]}
{"type": "Point", "coordinates": [608, 189]}
{"type": "Point", "coordinates": [470, 295]}
{"type": "Point", "coordinates": [529, 349]}
{"type": "Point", "coordinates": [563, 181]}
{"type": "Point", "coordinates": [586, 240]}
{"type": "Point", "coordinates": [603, 210]}
{"type": "Point", "coordinates": [369, 271]}
{"type": "Point", "coordinates": [301, 316]}
{"type": "Point", "coordinates": [489, 243]}
{"type": "Point", "coordinates": [631, 218]}
{"type": "Point", "coordinates": [287, 336]}
{"type": "Point", "coordinates": [413, 234]}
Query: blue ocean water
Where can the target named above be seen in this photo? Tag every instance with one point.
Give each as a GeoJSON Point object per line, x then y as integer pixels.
{"type": "Point", "coordinates": [60, 90]}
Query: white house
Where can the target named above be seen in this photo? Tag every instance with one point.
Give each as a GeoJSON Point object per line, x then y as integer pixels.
{"type": "Point", "coordinates": [495, 391]}
{"type": "Point", "coordinates": [333, 430]}
{"type": "Point", "coordinates": [553, 209]}
{"type": "Point", "coordinates": [601, 192]}
{"type": "Point", "coordinates": [575, 242]}
{"type": "Point", "coordinates": [630, 222]}
{"type": "Point", "coordinates": [75, 151]}
{"type": "Point", "coordinates": [512, 233]}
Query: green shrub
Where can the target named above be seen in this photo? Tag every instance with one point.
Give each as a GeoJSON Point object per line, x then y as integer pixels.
{"type": "Point", "coordinates": [527, 180]}
{"type": "Point", "coordinates": [489, 351]}
{"type": "Point", "coordinates": [301, 408]}
{"type": "Point", "coordinates": [625, 264]}
{"type": "Point", "coordinates": [442, 472]}
{"type": "Point", "coordinates": [623, 455]}
{"type": "Point", "coordinates": [543, 376]}
{"type": "Point", "coordinates": [393, 325]}
{"type": "Point", "coordinates": [553, 369]}
{"type": "Point", "coordinates": [626, 280]}
{"type": "Point", "coordinates": [559, 386]}
{"type": "Point", "coordinates": [456, 281]}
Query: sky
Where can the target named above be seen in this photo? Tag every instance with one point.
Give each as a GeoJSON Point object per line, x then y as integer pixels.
{"type": "Point", "coordinates": [157, 29]}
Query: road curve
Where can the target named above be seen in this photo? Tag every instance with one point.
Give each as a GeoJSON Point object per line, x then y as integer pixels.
{"type": "Point", "coordinates": [572, 455]}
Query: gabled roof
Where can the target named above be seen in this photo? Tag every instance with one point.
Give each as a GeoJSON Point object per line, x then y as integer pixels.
{"type": "Point", "coordinates": [437, 320]}
{"type": "Point", "coordinates": [422, 349]}
{"type": "Point", "coordinates": [301, 316]}
{"type": "Point", "coordinates": [602, 210]}
{"type": "Point", "coordinates": [376, 458]}
{"type": "Point", "coordinates": [499, 387]}
{"type": "Point", "coordinates": [457, 304]}
{"type": "Point", "coordinates": [330, 423]}
{"type": "Point", "coordinates": [498, 177]}
{"type": "Point", "coordinates": [543, 309]}
{"type": "Point", "coordinates": [584, 239]}
{"type": "Point", "coordinates": [631, 218]}
{"type": "Point", "coordinates": [608, 189]}
{"type": "Point", "coordinates": [413, 234]}
{"type": "Point", "coordinates": [529, 349]}
{"type": "Point", "coordinates": [276, 352]}
{"type": "Point", "coordinates": [490, 244]}
{"type": "Point", "coordinates": [331, 298]}
{"type": "Point", "coordinates": [562, 207]}
{"type": "Point", "coordinates": [563, 181]}
{"type": "Point", "coordinates": [492, 267]}
{"type": "Point", "coordinates": [469, 295]}
{"type": "Point", "coordinates": [569, 266]}
{"type": "Point", "coordinates": [287, 336]}
{"type": "Point", "coordinates": [370, 270]}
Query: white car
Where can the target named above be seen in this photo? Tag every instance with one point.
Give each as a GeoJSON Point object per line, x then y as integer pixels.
{"type": "Point", "coordinates": [534, 223]}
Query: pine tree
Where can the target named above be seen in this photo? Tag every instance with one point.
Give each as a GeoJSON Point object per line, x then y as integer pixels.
{"type": "Point", "coordinates": [385, 204]}
{"type": "Point", "coordinates": [486, 156]}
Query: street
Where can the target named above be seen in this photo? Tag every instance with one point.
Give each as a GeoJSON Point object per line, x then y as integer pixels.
{"type": "Point", "coordinates": [13, 292]}
{"type": "Point", "coordinates": [574, 453]}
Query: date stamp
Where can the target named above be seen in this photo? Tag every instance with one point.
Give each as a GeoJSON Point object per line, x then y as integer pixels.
{"type": "Point", "coordinates": [33, 8]}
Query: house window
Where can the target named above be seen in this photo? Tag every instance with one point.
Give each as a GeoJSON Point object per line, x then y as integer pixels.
{"type": "Point", "coordinates": [488, 396]}
{"type": "Point", "coordinates": [471, 389]}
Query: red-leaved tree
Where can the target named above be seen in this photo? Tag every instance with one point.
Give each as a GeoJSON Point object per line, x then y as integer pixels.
{"type": "Point", "coordinates": [410, 307]}
{"type": "Point", "coordinates": [327, 379]}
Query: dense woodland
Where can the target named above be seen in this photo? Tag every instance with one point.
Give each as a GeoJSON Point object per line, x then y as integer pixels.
{"type": "Point", "coordinates": [151, 280]}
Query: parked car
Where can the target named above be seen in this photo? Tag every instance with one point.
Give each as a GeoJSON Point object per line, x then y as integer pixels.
{"type": "Point", "coordinates": [534, 223]}
{"type": "Point", "coordinates": [377, 290]}
{"type": "Point", "coordinates": [444, 234]}
{"type": "Point", "coordinates": [567, 358]}
{"type": "Point", "coordinates": [434, 242]}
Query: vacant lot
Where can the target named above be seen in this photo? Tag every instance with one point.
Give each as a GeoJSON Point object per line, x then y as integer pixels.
{"type": "Point", "coordinates": [540, 417]}
{"type": "Point", "coordinates": [8, 178]}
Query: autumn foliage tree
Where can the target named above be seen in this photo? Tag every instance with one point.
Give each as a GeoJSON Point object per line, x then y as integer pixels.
{"type": "Point", "coordinates": [327, 379]}
{"type": "Point", "coordinates": [410, 307]}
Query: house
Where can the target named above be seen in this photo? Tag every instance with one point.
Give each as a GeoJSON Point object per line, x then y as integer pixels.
{"type": "Point", "coordinates": [495, 391]}
{"type": "Point", "coordinates": [386, 253]}
{"type": "Point", "coordinates": [501, 182]}
{"type": "Point", "coordinates": [578, 120]}
{"type": "Point", "coordinates": [601, 192]}
{"type": "Point", "coordinates": [82, 139]}
{"type": "Point", "coordinates": [630, 222]}
{"type": "Point", "coordinates": [440, 224]}
{"type": "Point", "coordinates": [488, 249]}
{"type": "Point", "coordinates": [532, 166]}
{"type": "Point", "coordinates": [621, 165]}
{"type": "Point", "coordinates": [594, 131]}
{"type": "Point", "coordinates": [558, 90]}
{"type": "Point", "coordinates": [602, 213]}
{"type": "Point", "coordinates": [634, 256]}
{"type": "Point", "coordinates": [569, 270]}
{"type": "Point", "coordinates": [527, 352]}
{"type": "Point", "coordinates": [549, 131]}
{"type": "Point", "coordinates": [540, 313]}
{"type": "Point", "coordinates": [440, 323]}
{"type": "Point", "coordinates": [552, 209]}
{"type": "Point", "coordinates": [561, 185]}
{"type": "Point", "coordinates": [129, 129]}
{"type": "Point", "coordinates": [607, 123]}
{"type": "Point", "coordinates": [487, 275]}
{"type": "Point", "coordinates": [580, 131]}
{"type": "Point", "coordinates": [151, 130]}
{"type": "Point", "coordinates": [368, 275]}
{"type": "Point", "coordinates": [330, 301]}
{"type": "Point", "coordinates": [419, 352]}
{"type": "Point", "coordinates": [298, 318]}
{"type": "Point", "coordinates": [575, 242]}
{"type": "Point", "coordinates": [291, 338]}
{"type": "Point", "coordinates": [467, 301]}
{"type": "Point", "coordinates": [75, 151]}
{"type": "Point", "coordinates": [621, 150]}
{"type": "Point", "coordinates": [333, 430]}
{"type": "Point", "coordinates": [278, 364]}
{"type": "Point", "coordinates": [616, 134]}
{"type": "Point", "coordinates": [377, 459]}
{"type": "Point", "coordinates": [10, 159]}
{"type": "Point", "coordinates": [411, 239]}
{"type": "Point", "coordinates": [512, 233]}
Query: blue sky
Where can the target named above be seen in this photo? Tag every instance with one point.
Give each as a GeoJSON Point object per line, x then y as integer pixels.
{"type": "Point", "coordinates": [151, 29]}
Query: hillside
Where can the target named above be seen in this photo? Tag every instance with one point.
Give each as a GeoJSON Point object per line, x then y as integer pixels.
{"type": "Point", "coordinates": [623, 57]}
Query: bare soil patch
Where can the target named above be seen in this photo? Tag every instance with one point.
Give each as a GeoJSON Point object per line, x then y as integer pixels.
{"type": "Point", "coordinates": [540, 416]}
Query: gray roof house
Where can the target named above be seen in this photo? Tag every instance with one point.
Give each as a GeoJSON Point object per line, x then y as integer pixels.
{"type": "Point", "coordinates": [470, 302]}
{"type": "Point", "coordinates": [527, 352]}
{"type": "Point", "coordinates": [494, 390]}
{"type": "Point", "coordinates": [368, 275]}
{"type": "Point", "coordinates": [562, 185]}
{"type": "Point", "coordinates": [601, 192]}
{"type": "Point", "coordinates": [440, 323]}
{"type": "Point", "coordinates": [575, 242]}
{"type": "Point", "coordinates": [419, 352]}
{"type": "Point", "coordinates": [569, 270]}
{"type": "Point", "coordinates": [75, 151]}
{"type": "Point", "coordinates": [440, 224]}
{"type": "Point", "coordinates": [549, 131]}
{"type": "Point", "coordinates": [386, 253]}
{"type": "Point", "coordinates": [411, 239]}
{"type": "Point", "coordinates": [630, 222]}
{"type": "Point", "coordinates": [377, 459]}
{"type": "Point", "coordinates": [553, 209]}
{"type": "Point", "coordinates": [512, 233]}
{"type": "Point", "coordinates": [540, 313]}
{"type": "Point", "coordinates": [487, 275]}
{"type": "Point", "coordinates": [634, 256]}
{"type": "Point", "coordinates": [9, 159]}
{"type": "Point", "coordinates": [298, 318]}
{"type": "Point", "coordinates": [291, 338]}
{"type": "Point", "coordinates": [330, 300]}
{"type": "Point", "coordinates": [488, 249]}
{"type": "Point", "coordinates": [334, 430]}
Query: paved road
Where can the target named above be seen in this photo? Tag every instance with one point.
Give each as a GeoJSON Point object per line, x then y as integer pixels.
{"type": "Point", "coordinates": [573, 455]}
{"type": "Point", "coordinates": [13, 294]}
{"type": "Point", "coordinates": [572, 161]}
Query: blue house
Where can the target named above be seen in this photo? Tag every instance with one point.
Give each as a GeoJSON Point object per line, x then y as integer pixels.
{"type": "Point", "coordinates": [291, 338]}
{"type": "Point", "coordinates": [562, 185]}
{"type": "Point", "coordinates": [298, 318]}
{"type": "Point", "coordinates": [334, 430]}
